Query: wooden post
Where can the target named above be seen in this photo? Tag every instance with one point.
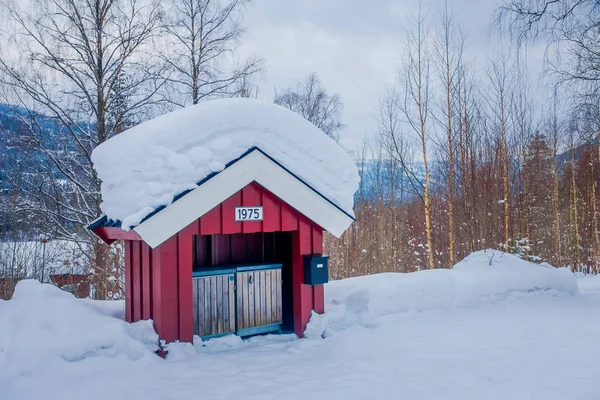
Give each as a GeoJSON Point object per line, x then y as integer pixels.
{"type": "Point", "coordinates": [164, 290]}
{"type": "Point", "coordinates": [128, 284]}
{"type": "Point", "coordinates": [136, 278]}
{"type": "Point", "coordinates": [317, 248]}
{"type": "Point", "coordinates": [146, 281]}
{"type": "Point", "coordinates": [186, 300]}
{"type": "Point", "coordinates": [302, 294]}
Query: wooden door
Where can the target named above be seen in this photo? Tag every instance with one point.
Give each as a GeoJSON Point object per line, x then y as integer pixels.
{"type": "Point", "coordinates": [214, 305]}
{"type": "Point", "coordinates": [258, 298]}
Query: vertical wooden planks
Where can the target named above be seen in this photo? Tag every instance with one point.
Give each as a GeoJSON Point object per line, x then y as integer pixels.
{"type": "Point", "coordinates": [210, 223]}
{"type": "Point", "coordinates": [239, 304]}
{"type": "Point", "coordinates": [136, 276]}
{"type": "Point", "coordinates": [268, 203]}
{"type": "Point", "coordinates": [195, 303]}
{"type": "Point", "coordinates": [213, 305]}
{"type": "Point", "coordinates": [202, 251]}
{"type": "Point", "coordinates": [219, 302]}
{"type": "Point", "coordinates": [230, 226]}
{"type": "Point", "coordinates": [128, 282]}
{"type": "Point", "coordinates": [207, 307]}
{"type": "Point", "coordinates": [302, 294]}
{"type": "Point", "coordinates": [215, 310]}
{"type": "Point", "coordinates": [267, 312]}
{"type": "Point", "coordinates": [279, 297]}
{"type": "Point", "coordinates": [198, 297]}
{"type": "Point", "coordinates": [317, 239]}
{"type": "Point", "coordinates": [156, 287]}
{"type": "Point", "coordinates": [289, 218]}
{"type": "Point", "coordinates": [257, 299]}
{"type": "Point", "coordinates": [263, 297]}
{"type": "Point", "coordinates": [250, 198]}
{"type": "Point", "coordinates": [221, 249]}
{"type": "Point", "coordinates": [318, 290]}
{"type": "Point", "coordinates": [146, 255]}
{"type": "Point", "coordinates": [231, 299]}
{"type": "Point", "coordinates": [226, 315]}
{"type": "Point", "coordinates": [238, 248]}
{"type": "Point", "coordinates": [249, 281]}
{"type": "Point", "coordinates": [170, 292]}
{"type": "Point", "coordinates": [184, 268]}
{"type": "Point", "coordinates": [165, 304]}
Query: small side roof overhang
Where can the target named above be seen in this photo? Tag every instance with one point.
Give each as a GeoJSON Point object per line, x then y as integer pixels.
{"type": "Point", "coordinates": [253, 166]}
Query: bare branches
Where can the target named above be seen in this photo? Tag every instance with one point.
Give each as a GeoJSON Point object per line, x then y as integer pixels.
{"type": "Point", "coordinates": [84, 71]}
{"type": "Point", "coordinates": [570, 28]}
{"type": "Point", "coordinates": [311, 100]}
{"type": "Point", "coordinates": [204, 36]}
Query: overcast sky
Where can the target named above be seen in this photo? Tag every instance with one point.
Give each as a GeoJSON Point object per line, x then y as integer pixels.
{"type": "Point", "coordinates": [355, 47]}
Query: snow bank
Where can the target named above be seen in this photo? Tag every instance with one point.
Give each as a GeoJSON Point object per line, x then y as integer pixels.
{"type": "Point", "coordinates": [588, 283]}
{"type": "Point", "coordinates": [111, 308]}
{"type": "Point", "coordinates": [484, 276]}
{"type": "Point", "coordinates": [42, 325]}
{"type": "Point", "coordinates": [146, 166]}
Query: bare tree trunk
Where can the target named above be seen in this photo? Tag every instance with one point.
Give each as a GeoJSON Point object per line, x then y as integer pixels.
{"type": "Point", "coordinates": [499, 75]}
{"type": "Point", "coordinates": [449, 51]}
{"type": "Point", "coordinates": [426, 203]}
{"type": "Point", "coordinates": [594, 216]}
{"type": "Point", "coordinates": [574, 217]}
{"type": "Point", "coordinates": [204, 35]}
{"type": "Point", "coordinates": [86, 46]}
{"type": "Point", "coordinates": [504, 161]}
{"type": "Point", "coordinates": [555, 198]}
{"type": "Point", "coordinates": [525, 191]}
{"type": "Point", "coordinates": [416, 101]}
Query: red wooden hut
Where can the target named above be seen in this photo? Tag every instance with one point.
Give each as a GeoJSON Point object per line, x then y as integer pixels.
{"type": "Point", "coordinates": [240, 253]}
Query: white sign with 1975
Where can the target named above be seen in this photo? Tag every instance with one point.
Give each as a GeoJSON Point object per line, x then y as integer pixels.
{"type": "Point", "coordinates": [248, 214]}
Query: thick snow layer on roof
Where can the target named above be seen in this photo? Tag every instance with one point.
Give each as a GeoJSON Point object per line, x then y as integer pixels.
{"type": "Point", "coordinates": [146, 166]}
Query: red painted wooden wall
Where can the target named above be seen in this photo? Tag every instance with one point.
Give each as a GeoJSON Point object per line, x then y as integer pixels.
{"type": "Point", "coordinates": [159, 281]}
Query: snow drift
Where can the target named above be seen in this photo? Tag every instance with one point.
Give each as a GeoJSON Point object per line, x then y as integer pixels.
{"type": "Point", "coordinates": [526, 347]}
{"type": "Point", "coordinates": [42, 325]}
{"type": "Point", "coordinates": [146, 166]}
{"type": "Point", "coordinates": [484, 276]}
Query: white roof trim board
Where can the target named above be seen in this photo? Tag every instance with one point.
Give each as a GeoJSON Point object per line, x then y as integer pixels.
{"type": "Point", "coordinates": [257, 167]}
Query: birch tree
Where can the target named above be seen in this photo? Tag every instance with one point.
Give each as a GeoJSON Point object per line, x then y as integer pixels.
{"type": "Point", "coordinates": [448, 50]}
{"type": "Point", "coordinates": [203, 37]}
{"type": "Point", "coordinates": [570, 30]}
{"type": "Point", "coordinates": [414, 78]}
{"type": "Point", "coordinates": [554, 128]}
{"type": "Point", "coordinates": [69, 69]}
{"type": "Point", "coordinates": [522, 116]}
{"type": "Point", "coordinates": [311, 100]}
{"type": "Point", "coordinates": [573, 212]}
{"type": "Point", "coordinates": [498, 75]}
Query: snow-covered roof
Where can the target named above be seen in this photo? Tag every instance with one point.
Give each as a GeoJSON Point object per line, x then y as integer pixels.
{"type": "Point", "coordinates": [147, 166]}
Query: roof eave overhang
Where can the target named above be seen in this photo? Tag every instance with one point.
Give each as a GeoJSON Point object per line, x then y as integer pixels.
{"type": "Point", "coordinates": [257, 167]}
{"type": "Point", "coordinates": [110, 234]}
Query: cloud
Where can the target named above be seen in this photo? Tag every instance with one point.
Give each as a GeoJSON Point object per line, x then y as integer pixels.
{"type": "Point", "coordinates": [354, 46]}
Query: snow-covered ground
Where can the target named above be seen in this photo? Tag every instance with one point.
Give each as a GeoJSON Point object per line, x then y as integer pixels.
{"type": "Point", "coordinates": [509, 330]}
